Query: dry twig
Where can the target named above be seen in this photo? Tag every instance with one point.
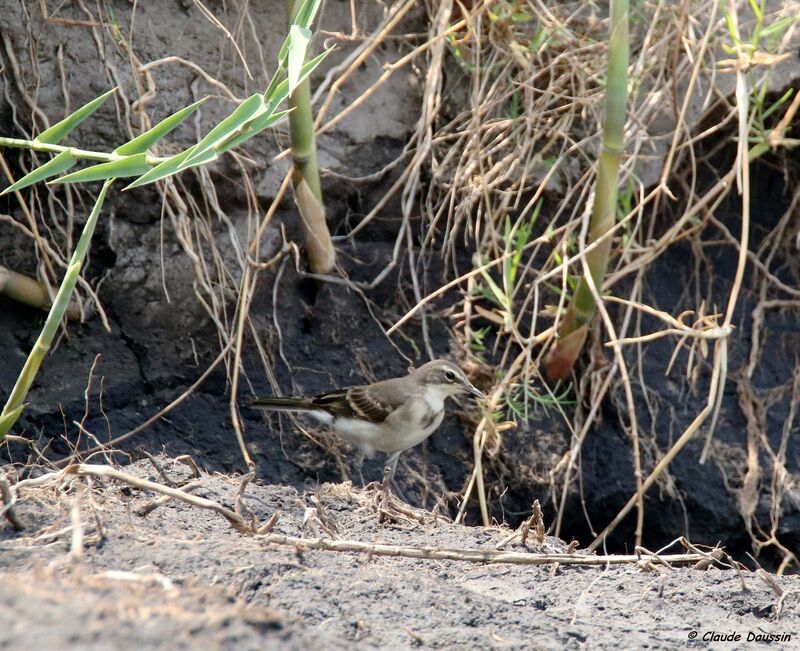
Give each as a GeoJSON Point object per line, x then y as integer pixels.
{"type": "Point", "coordinates": [471, 555]}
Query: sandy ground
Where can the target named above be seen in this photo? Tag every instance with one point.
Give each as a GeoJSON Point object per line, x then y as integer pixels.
{"type": "Point", "coordinates": [182, 577]}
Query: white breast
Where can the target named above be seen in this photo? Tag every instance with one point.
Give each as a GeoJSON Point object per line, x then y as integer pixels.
{"type": "Point", "coordinates": [435, 397]}
{"type": "Point", "coordinates": [412, 423]}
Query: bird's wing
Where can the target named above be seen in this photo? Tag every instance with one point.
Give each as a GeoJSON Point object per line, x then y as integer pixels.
{"type": "Point", "coordinates": [335, 403]}
{"type": "Point", "coordinates": [374, 402]}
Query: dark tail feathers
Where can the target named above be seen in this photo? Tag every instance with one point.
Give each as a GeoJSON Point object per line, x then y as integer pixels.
{"type": "Point", "coordinates": [284, 404]}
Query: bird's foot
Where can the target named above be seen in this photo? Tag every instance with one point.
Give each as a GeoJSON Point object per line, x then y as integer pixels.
{"type": "Point", "coordinates": [389, 509]}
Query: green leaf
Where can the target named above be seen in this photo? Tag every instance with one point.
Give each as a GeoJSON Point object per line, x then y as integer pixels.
{"type": "Point", "coordinates": [307, 12]}
{"type": "Point", "coordinates": [171, 166]}
{"type": "Point", "coordinates": [162, 170]}
{"type": "Point", "coordinates": [251, 129]}
{"type": "Point", "coordinates": [757, 11]}
{"type": "Point", "coordinates": [499, 295]}
{"type": "Point", "coordinates": [734, 33]}
{"type": "Point", "coordinates": [507, 271]}
{"type": "Point", "coordinates": [778, 103]}
{"type": "Point", "coordinates": [778, 27]}
{"type": "Point", "coordinates": [281, 91]}
{"type": "Point", "coordinates": [59, 131]}
{"type": "Point", "coordinates": [251, 117]}
{"type": "Point", "coordinates": [128, 166]}
{"type": "Point", "coordinates": [246, 111]}
{"type": "Point", "coordinates": [297, 54]}
{"type": "Point", "coordinates": [201, 159]}
{"type": "Point", "coordinates": [758, 150]}
{"type": "Point", "coordinates": [272, 83]}
{"type": "Point", "coordinates": [253, 108]}
{"type": "Point", "coordinates": [303, 19]}
{"type": "Point", "coordinates": [53, 167]}
{"type": "Point", "coordinates": [146, 140]}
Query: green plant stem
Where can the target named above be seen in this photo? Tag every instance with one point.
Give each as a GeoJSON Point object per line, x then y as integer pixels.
{"type": "Point", "coordinates": [319, 247]}
{"type": "Point", "coordinates": [582, 307]}
{"type": "Point", "coordinates": [605, 201]}
{"type": "Point", "coordinates": [82, 154]}
{"type": "Point", "coordinates": [304, 145]}
{"type": "Point", "coordinates": [16, 401]}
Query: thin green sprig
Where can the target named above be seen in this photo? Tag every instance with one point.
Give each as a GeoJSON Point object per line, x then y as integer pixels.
{"type": "Point", "coordinates": [16, 401]}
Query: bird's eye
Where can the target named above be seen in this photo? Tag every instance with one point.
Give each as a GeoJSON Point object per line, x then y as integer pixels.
{"type": "Point", "coordinates": [450, 376]}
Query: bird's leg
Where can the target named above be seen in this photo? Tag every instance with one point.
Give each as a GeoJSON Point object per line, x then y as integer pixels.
{"type": "Point", "coordinates": [388, 475]}
{"type": "Point", "coordinates": [387, 478]}
{"type": "Point", "coordinates": [391, 466]}
{"type": "Point", "coordinates": [387, 506]}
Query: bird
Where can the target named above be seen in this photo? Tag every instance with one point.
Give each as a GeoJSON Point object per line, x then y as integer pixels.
{"type": "Point", "coordinates": [389, 416]}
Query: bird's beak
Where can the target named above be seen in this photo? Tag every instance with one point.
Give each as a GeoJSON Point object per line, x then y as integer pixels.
{"type": "Point", "coordinates": [475, 392]}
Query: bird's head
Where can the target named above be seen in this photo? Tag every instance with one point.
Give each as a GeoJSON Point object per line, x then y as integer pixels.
{"type": "Point", "coordinates": [447, 378]}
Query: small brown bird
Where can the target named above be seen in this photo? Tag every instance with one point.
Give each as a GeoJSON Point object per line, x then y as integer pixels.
{"type": "Point", "coordinates": [388, 416]}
